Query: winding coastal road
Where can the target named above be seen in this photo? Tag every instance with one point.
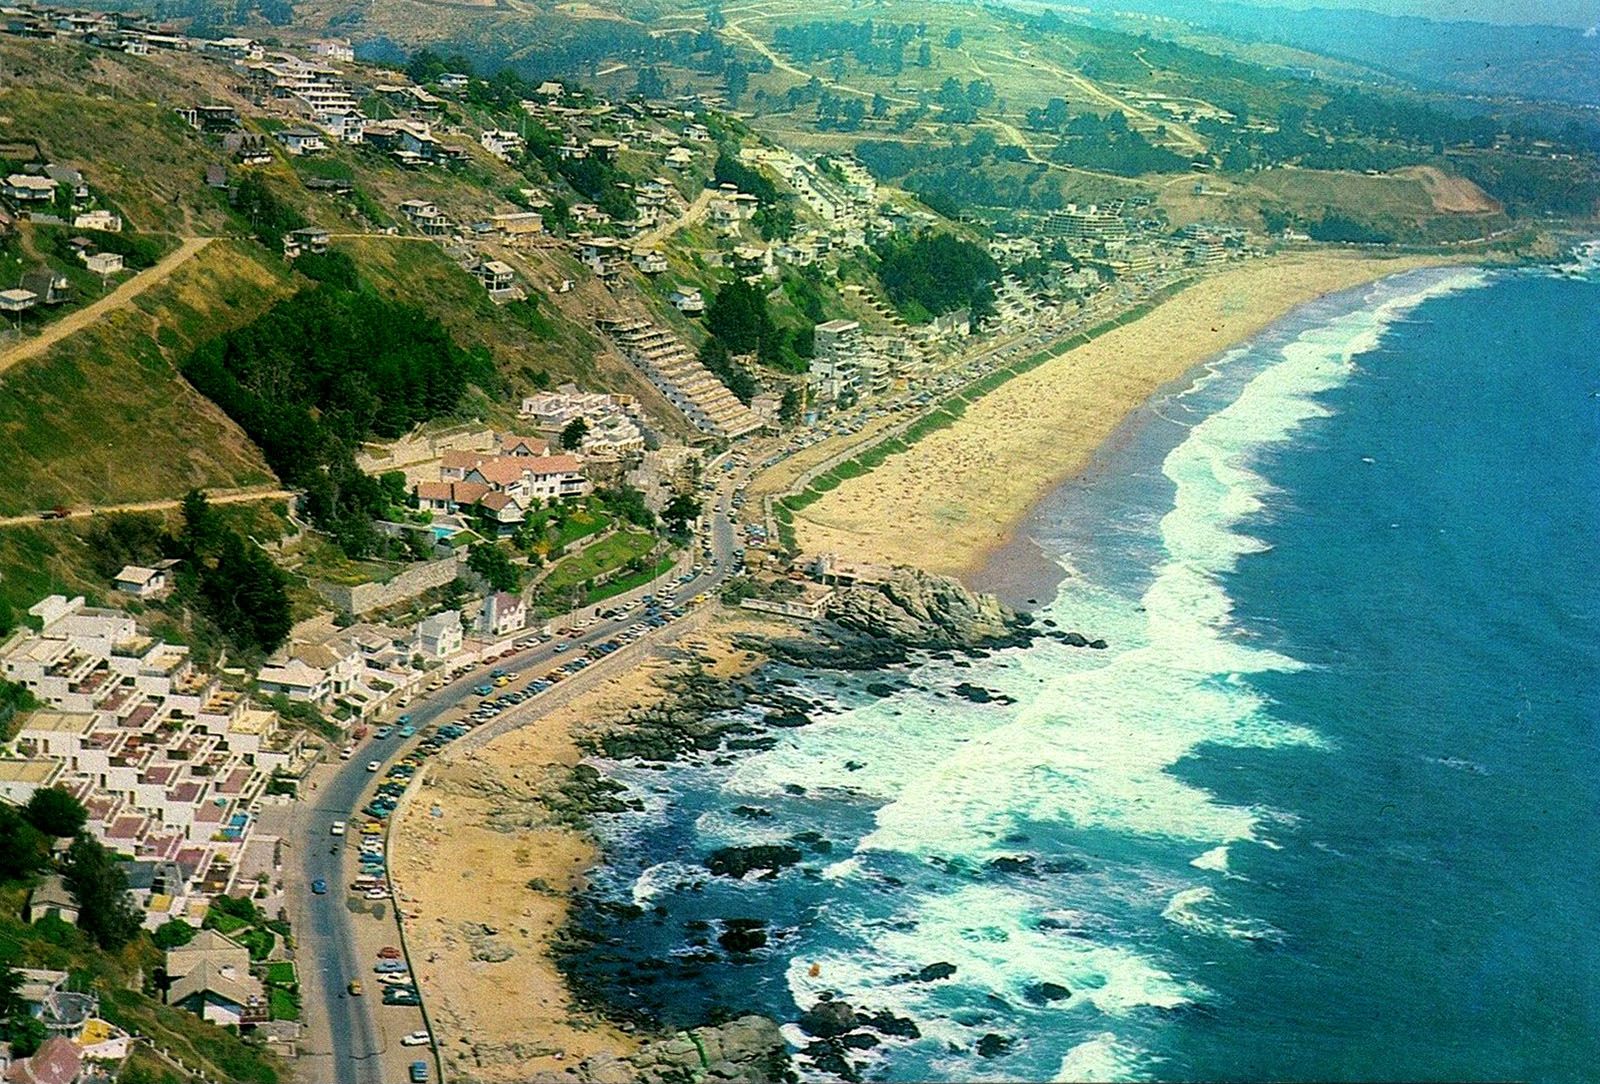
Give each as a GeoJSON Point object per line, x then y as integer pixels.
{"type": "Point", "coordinates": [349, 1045]}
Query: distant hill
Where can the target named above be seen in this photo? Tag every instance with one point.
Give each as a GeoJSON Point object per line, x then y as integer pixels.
{"type": "Point", "coordinates": [1548, 62]}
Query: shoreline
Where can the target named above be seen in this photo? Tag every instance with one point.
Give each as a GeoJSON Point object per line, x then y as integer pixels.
{"type": "Point", "coordinates": [490, 855]}
{"type": "Point", "coordinates": [959, 499]}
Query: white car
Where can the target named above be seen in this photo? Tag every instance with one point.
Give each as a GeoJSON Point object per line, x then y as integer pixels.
{"type": "Point", "coordinates": [416, 1038]}
{"type": "Point", "coordinates": [373, 765]}
{"type": "Point", "coordinates": [336, 828]}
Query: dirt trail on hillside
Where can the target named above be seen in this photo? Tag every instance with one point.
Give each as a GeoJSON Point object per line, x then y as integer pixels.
{"type": "Point", "coordinates": [76, 321]}
{"type": "Point", "coordinates": [215, 496]}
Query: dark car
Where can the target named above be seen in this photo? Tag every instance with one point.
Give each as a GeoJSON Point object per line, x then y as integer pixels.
{"type": "Point", "coordinates": [319, 887]}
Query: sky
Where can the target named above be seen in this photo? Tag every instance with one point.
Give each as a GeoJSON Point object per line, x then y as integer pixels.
{"type": "Point", "coordinates": [1579, 13]}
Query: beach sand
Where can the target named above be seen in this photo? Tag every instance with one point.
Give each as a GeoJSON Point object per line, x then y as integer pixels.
{"type": "Point", "coordinates": [961, 491]}
{"type": "Point", "coordinates": [475, 851]}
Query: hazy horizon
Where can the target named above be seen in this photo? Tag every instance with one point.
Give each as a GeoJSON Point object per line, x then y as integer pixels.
{"type": "Point", "coordinates": [1582, 14]}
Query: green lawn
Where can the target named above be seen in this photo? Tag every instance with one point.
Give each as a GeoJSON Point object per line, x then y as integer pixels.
{"type": "Point", "coordinates": [283, 1004]}
{"type": "Point", "coordinates": [607, 555]}
{"type": "Point", "coordinates": [629, 582]}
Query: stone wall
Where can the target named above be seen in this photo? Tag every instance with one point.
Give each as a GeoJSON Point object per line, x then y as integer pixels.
{"type": "Point", "coordinates": [366, 597]}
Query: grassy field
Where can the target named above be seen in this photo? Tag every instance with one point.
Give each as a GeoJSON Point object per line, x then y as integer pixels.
{"type": "Point", "coordinates": [103, 416]}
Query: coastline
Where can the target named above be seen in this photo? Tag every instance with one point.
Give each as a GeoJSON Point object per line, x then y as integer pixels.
{"type": "Point", "coordinates": [489, 855]}
{"type": "Point", "coordinates": [959, 498]}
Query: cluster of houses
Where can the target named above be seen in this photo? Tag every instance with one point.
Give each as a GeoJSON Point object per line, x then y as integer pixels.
{"type": "Point", "coordinates": [79, 1047]}
{"type": "Point", "coordinates": [169, 762]}
{"type": "Point", "coordinates": [54, 194]}
{"type": "Point", "coordinates": [611, 422]}
{"type": "Point", "coordinates": [505, 484]}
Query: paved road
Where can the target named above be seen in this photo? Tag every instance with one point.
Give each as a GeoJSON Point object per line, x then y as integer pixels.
{"type": "Point", "coordinates": [325, 931]}
{"type": "Point", "coordinates": [77, 321]}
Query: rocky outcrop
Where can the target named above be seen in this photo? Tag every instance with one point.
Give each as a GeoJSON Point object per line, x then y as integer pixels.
{"type": "Point", "coordinates": [874, 625]}
{"type": "Point", "coordinates": [749, 1050]}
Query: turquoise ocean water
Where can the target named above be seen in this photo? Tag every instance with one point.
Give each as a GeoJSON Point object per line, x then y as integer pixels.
{"type": "Point", "coordinates": [1327, 808]}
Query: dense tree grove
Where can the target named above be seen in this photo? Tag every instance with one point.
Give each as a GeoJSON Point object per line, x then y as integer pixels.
{"type": "Point", "coordinates": [877, 47]}
{"type": "Point", "coordinates": [233, 581]}
{"type": "Point", "coordinates": [740, 319]}
{"type": "Point", "coordinates": [1109, 145]}
{"type": "Point", "coordinates": [935, 273]}
{"type": "Point", "coordinates": [320, 372]}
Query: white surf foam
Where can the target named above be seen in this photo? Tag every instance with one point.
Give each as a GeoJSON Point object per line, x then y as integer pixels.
{"type": "Point", "coordinates": [1102, 1058]}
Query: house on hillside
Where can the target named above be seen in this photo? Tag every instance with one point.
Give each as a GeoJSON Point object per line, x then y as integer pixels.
{"type": "Point", "coordinates": [52, 898]}
{"type": "Point", "coordinates": [211, 978]}
{"type": "Point", "coordinates": [301, 141]}
{"type": "Point", "coordinates": [57, 1061]}
{"type": "Point", "coordinates": [497, 277]}
{"type": "Point", "coordinates": [141, 582]}
{"type": "Point", "coordinates": [28, 188]}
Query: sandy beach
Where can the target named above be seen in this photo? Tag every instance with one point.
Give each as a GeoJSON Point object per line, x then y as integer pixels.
{"type": "Point", "coordinates": [486, 873]}
{"type": "Point", "coordinates": [960, 493]}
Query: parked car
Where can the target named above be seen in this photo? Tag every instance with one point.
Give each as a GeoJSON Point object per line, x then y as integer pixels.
{"type": "Point", "coordinates": [336, 828]}
{"type": "Point", "coordinates": [354, 988]}
{"type": "Point", "coordinates": [374, 765]}
{"type": "Point", "coordinates": [419, 1072]}
{"type": "Point", "coordinates": [415, 1038]}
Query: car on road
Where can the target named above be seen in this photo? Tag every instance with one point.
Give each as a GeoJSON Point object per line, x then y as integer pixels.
{"type": "Point", "coordinates": [336, 828]}
{"type": "Point", "coordinates": [419, 1072]}
{"type": "Point", "coordinates": [415, 1038]}
{"type": "Point", "coordinates": [354, 988]}
{"type": "Point", "coordinates": [408, 731]}
{"type": "Point", "coordinates": [403, 720]}
{"type": "Point", "coordinates": [382, 732]}
{"type": "Point", "coordinates": [374, 765]}
{"type": "Point", "coordinates": [319, 887]}
{"type": "Point", "coordinates": [483, 690]}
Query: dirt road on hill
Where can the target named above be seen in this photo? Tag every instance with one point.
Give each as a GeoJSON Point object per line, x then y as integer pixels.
{"type": "Point", "coordinates": [76, 321]}
{"type": "Point", "coordinates": [215, 496]}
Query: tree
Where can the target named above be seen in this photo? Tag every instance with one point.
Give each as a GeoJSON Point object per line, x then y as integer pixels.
{"type": "Point", "coordinates": [924, 55]}
{"type": "Point", "coordinates": [172, 934]}
{"type": "Point", "coordinates": [572, 436]}
{"type": "Point", "coordinates": [97, 882]}
{"type": "Point", "coordinates": [55, 812]}
{"type": "Point", "coordinates": [790, 407]}
{"type": "Point", "coordinates": [680, 512]}
{"type": "Point", "coordinates": [22, 846]}
{"type": "Point", "coordinates": [199, 531]}
{"type": "Point", "coordinates": [490, 561]}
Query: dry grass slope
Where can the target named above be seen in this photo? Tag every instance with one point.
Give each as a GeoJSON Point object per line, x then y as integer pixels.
{"type": "Point", "coordinates": [104, 417]}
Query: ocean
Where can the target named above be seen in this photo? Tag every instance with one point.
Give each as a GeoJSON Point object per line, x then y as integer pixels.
{"type": "Point", "coordinates": [1325, 808]}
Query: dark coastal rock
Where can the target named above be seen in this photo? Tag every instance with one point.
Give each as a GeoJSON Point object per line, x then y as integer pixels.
{"type": "Point", "coordinates": [1022, 865]}
{"type": "Point", "coordinates": [993, 1045]}
{"type": "Point", "coordinates": [930, 973]}
{"type": "Point", "coordinates": [979, 695]}
{"type": "Point", "coordinates": [828, 1019]}
{"type": "Point", "coordinates": [880, 689]}
{"type": "Point", "coordinates": [738, 861]}
{"type": "Point", "coordinates": [885, 1022]}
{"type": "Point", "coordinates": [786, 720]}
{"type": "Point", "coordinates": [828, 1057]}
{"type": "Point", "coordinates": [751, 812]}
{"type": "Point", "coordinates": [1043, 993]}
{"type": "Point", "coordinates": [1064, 865]}
{"type": "Point", "coordinates": [1097, 645]}
{"type": "Point", "coordinates": [743, 934]}
{"type": "Point", "coordinates": [813, 842]}
{"type": "Point", "coordinates": [793, 788]}
{"type": "Point", "coordinates": [858, 1040]}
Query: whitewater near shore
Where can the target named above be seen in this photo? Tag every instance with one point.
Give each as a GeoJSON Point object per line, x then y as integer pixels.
{"type": "Point", "coordinates": [957, 496]}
